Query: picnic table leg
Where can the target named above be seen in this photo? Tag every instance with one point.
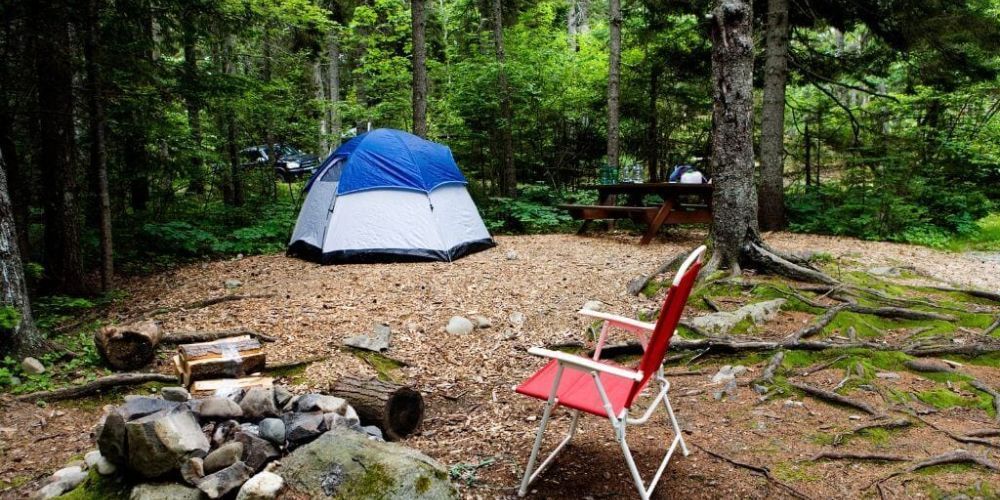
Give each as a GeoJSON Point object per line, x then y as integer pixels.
{"type": "Point", "coordinates": [583, 227]}
{"type": "Point", "coordinates": [610, 199]}
{"type": "Point", "coordinates": [654, 226]}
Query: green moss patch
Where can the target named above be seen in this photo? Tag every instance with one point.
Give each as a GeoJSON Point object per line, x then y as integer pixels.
{"type": "Point", "coordinates": [376, 482]}
{"type": "Point", "coordinates": [943, 399]}
{"type": "Point", "coordinates": [98, 487]}
{"type": "Point", "coordinates": [794, 472]}
{"type": "Point", "coordinates": [384, 366]}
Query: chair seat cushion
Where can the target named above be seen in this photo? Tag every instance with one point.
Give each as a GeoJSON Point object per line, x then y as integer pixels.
{"type": "Point", "coordinates": [577, 389]}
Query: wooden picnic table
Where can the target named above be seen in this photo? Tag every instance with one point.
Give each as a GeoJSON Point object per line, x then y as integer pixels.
{"type": "Point", "coordinates": [682, 204]}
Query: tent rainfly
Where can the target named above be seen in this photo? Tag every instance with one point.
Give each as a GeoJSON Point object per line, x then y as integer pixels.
{"type": "Point", "coordinates": [388, 196]}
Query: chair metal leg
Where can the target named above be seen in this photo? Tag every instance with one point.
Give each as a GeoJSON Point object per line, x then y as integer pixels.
{"type": "Point", "coordinates": [529, 474]}
{"type": "Point", "coordinates": [677, 428]}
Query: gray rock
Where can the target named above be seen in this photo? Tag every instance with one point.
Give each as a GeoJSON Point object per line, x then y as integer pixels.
{"type": "Point", "coordinates": [226, 480]}
{"type": "Point", "coordinates": [281, 396]}
{"type": "Point", "coordinates": [224, 431]}
{"type": "Point", "coordinates": [512, 255]}
{"type": "Point", "coordinates": [482, 321]}
{"type": "Point", "coordinates": [762, 312]}
{"type": "Point", "coordinates": [727, 373]}
{"type": "Point", "coordinates": [175, 394]}
{"type": "Point", "coordinates": [257, 452]}
{"type": "Point", "coordinates": [593, 305]}
{"type": "Point", "coordinates": [887, 375]}
{"type": "Point", "coordinates": [140, 406]}
{"type": "Point", "coordinates": [273, 430]}
{"type": "Point", "coordinates": [111, 439]}
{"type": "Point", "coordinates": [219, 408]}
{"type": "Point", "coordinates": [458, 325]}
{"type": "Point", "coordinates": [300, 427]}
{"type": "Point", "coordinates": [377, 341]}
{"type": "Point", "coordinates": [889, 272]}
{"type": "Point", "coordinates": [159, 443]}
{"type": "Point", "coordinates": [223, 456]}
{"type": "Point", "coordinates": [322, 403]}
{"type": "Point", "coordinates": [728, 391]}
{"type": "Point", "coordinates": [263, 486]}
{"type": "Point", "coordinates": [351, 415]}
{"type": "Point", "coordinates": [164, 491]}
{"type": "Point", "coordinates": [516, 319]}
{"type": "Point", "coordinates": [32, 366]}
{"type": "Point", "coordinates": [291, 404]}
{"type": "Point", "coordinates": [50, 490]}
{"type": "Point", "coordinates": [60, 482]}
{"type": "Point", "coordinates": [98, 462]}
{"type": "Point", "coordinates": [258, 403]}
{"type": "Point", "coordinates": [340, 462]}
{"type": "Point", "coordinates": [722, 322]}
{"type": "Point", "coordinates": [232, 283]}
{"type": "Point", "coordinates": [91, 458]}
{"type": "Point", "coordinates": [373, 432]}
{"type": "Point", "coordinates": [193, 470]}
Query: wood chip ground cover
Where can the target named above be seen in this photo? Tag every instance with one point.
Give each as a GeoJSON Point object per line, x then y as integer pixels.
{"type": "Point", "coordinates": [480, 428]}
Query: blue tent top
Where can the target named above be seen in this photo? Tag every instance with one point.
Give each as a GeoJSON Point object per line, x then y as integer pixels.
{"type": "Point", "coordinates": [387, 158]}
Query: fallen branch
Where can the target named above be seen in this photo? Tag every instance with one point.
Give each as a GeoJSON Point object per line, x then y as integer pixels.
{"type": "Point", "coordinates": [992, 392]}
{"type": "Point", "coordinates": [639, 283]}
{"type": "Point", "coordinates": [992, 328]}
{"type": "Point", "coordinates": [835, 455]}
{"type": "Point", "coordinates": [818, 324]}
{"type": "Point", "coordinates": [833, 397]}
{"type": "Point", "coordinates": [772, 367]}
{"type": "Point", "coordinates": [198, 304]}
{"type": "Point", "coordinates": [984, 433]}
{"type": "Point", "coordinates": [111, 381]}
{"type": "Point", "coordinates": [755, 468]}
{"type": "Point", "coordinates": [208, 336]}
{"type": "Point", "coordinates": [822, 366]}
{"type": "Point", "coordinates": [708, 302]}
{"type": "Point", "coordinates": [968, 439]}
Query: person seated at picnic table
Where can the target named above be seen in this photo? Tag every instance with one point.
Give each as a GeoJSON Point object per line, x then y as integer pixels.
{"type": "Point", "coordinates": [687, 174]}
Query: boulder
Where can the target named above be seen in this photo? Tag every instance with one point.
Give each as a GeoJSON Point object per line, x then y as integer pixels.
{"type": "Point", "coordinates": [32, 366]}
{"type": "Point", "coordinates": [161, 442]}
{"type": "Point", "coordinates": [257, 452]}
{"type": "Point", "coordinates": [458, 325]}
{"type": "Point", "coordinates": [226, 480]}
{"type": "Point", "coordinates": [60, 482]}
{"type": "Point", "coordinates": [140, 406]}
{"type": "Point", "coordinates": [96, 461]}
{"type": "Point", "coordinates": [322, 403]}
{"type": "Point", "coordinates": [273, 430]}
{"type": "Point", "coordinates": [301, 427]}
{"type": "Point", "coordinates": [219, 408]}
{"type": "Point", "coordinates": [224, 431]}
{"type": "Point", "coordinates": [164, 491]}
{"type": "Point", "coordinates": [258, 403]}
{"type": "Point", "coordinates": [179, 394]}
{"type": "Point", "coordinates": [728, 373]}
{"type": "Point", "coordinates": [347, 464]}
{"type": "Point", "coordinates": [223, 456]}
{"type": "Point", "coordinates": [263, 486]}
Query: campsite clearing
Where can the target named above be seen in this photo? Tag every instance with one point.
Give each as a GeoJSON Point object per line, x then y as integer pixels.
{"type": "Point", "coordinates": [479, 428]}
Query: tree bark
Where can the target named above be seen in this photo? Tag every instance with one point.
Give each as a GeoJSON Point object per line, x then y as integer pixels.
{"type": "Point", "coordinates": [418, 20]}
{"type": "Point", "coordinates": [54, 73]}
{"type": "Point", "coordinates": [396, 409]}
{"type": "Point", "coordinates": [320, 93]}
{"type": "Point", "coordinates": [333, 77]}
{"type": "Point", "coordinates": [236, 177]}
{"type": "Point", "coordinates": [98, 150]}
{"type": "Point", "coordinates": [734, 219]}
{"type": "Point", "coordinates": [653, 136]}
{"type": "Point", "coordinates": [614, 78]}
{"type": "Point", "coordinates": [18, 335]}
{"type": "Point", "coordinates": [192, 101]}
{"type": "Point", "coordinates": [508, 174]}
{"type": "Point", "coordinates": [771, 192]}
{"type": "Point", "coordinates": [128, 347]}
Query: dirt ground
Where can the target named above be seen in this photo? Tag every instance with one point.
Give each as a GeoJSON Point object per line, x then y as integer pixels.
{"type": "Point", "coordinates": [479, 428]}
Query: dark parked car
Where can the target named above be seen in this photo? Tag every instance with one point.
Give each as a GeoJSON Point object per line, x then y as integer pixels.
{"type": "Point", "coordinates": [289, 163]}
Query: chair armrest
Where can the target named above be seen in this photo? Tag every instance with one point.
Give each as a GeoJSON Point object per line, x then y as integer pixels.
{"type": "Point", "coordinates": [585, 363]}
{"type": "Point", "coordinates": [622, 322]}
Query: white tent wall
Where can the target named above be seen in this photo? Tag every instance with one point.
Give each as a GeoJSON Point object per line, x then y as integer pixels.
{"type": "Point", "coordinates": [314, 214]}
{"type": "Point", "coordinates": [382, 219]}
{"type": "Point", "coordinates": [456, 216]}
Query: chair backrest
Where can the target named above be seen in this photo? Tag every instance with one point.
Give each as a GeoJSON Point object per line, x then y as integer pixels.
{"type": "Point", "coordinates": [666, 324]}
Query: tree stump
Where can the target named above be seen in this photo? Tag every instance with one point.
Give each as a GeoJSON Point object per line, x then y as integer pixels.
{"type": "Point", "coordinates": [396, 409]}
{"type": "Point", "coordinates": [130, 346]}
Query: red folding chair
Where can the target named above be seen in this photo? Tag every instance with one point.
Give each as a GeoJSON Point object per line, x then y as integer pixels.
{"type": "Point", "coordinates": [607, 390]}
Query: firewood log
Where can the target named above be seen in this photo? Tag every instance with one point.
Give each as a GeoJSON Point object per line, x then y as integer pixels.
{"type": "Point", "coordinates": [224, 358]}
{"type": "Point", "coordinates": [130, 346]}
{"type": "Point", "coordinates": [396, 409]}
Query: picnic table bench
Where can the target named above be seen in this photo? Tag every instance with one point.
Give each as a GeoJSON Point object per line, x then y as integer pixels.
{"type": "Point", "coordinates": [682, 204]}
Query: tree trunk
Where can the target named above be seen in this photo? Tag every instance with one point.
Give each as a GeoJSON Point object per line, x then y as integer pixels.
{"type": "Point", "coordinates": [418, 20]}
{"type": "Point", "coordinates": [571, 26]}
{"type": "Point", "coordinates": [236, 177]}
{"type": "Point", "coordinates": [18, 335]}
{"type": "Point", "coordinates": [653, 136]}
{"type": "Point", "coordinates": [192, 101]}
{"type": "Point", "coordinates": [54, 72]}
{"type": "Point", "coordinates": [317, 68]}
{"type": "Point", "coordinates": [333, 77]}
{"type": "Point", "coordinates": [19, 186]}
{"type": "Point", "coordinates": [508, 174]}
{"type": "Point", "coordinates": [771, 192]}
{"type": "Point", "coordinates": [396, 409]}
{"type": "Point", "coordinates": [734, 221]}
{"type": "Point", "coordinates": [808, 143]}
{"type": "Point", "coordinates": [614, 77]}
{"type": "Point", "coordinates": [98, 151]}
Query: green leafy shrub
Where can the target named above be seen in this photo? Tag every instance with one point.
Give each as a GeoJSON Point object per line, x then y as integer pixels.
{"type": "Point", "coordinates": [534, 211]}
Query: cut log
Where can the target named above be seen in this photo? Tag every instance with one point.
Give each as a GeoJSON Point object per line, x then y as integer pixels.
{"type": "Point", "coordinates": [130, 346]}
{"type": "Point", "coordinates": [224, 358]}
{"type": "Point", "coordinates": [205, 388]}
{"type": "Point", "coordinates": [395, 409]}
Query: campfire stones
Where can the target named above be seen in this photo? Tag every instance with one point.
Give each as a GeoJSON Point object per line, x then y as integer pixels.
{"type": "Point", "coordinates": [224, 431]}
{"type": "Point", "coordinates": [218, 408]}
{"type": "Point", "coordinates": [273, 430]}
{"type": "Point", "coordinates": [303, 426]}
{"type": "Point", "coordinates": [164, 491]}
{"type": "Point", "coordinates": [321, 403]}
{"type": "Point", "coordinates": [282, 396]}
{"type": "Point", "coordinates": [178, 394]}
{"type": "Point", "coordinates": [257, 452]}
{"type": "Point", "coordinates": [259, 403]}
{"type": "Point", "coordinates": [160, 442]}
{"type": "Point", "coordinates": [263, 486]}
{"type": "Point", "coordinates": [223, 456]}
{"type": "Point", "coordinates": [193, 470]}
{"type": "Point", "coordinates": [140, 406]}
{"type": "Point", "coordinates": [103, 466]}
{"type": "Point", "coordinates": [226, 480]}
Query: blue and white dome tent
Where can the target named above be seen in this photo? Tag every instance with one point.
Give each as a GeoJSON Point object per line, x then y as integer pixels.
{"type": "Point", "coordinates": [388, 196]}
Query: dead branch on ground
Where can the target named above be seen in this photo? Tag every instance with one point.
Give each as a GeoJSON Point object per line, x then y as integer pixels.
{"type": "Point", "coordinates": [833, 397]}
{"type": "Point", "coordinates": [103, 383]}
{"type": "Point", "coordinates": [978, 384]}
{"type": "Point", "coordinates": [836, 455]}
{"type": "Point", "coordinates": [198, 304]}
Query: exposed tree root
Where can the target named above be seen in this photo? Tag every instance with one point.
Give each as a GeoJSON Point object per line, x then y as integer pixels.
{"type": "Point", "coordinates": [772, 367]}
{"type": "Point", "coordinates": [818, 324]}
{"type": "Point", "coordinates": [892, 424]}
{"type": "Point", "coordinates": [833, 397]}
{"type": "Point", "coordinates": [992, 328]}
{"type": "Point", "coordinates": [836, 455]}
{"type": "Point", "coordinates": [764, 471]}
{"type": "Point", "coordinates": [967, 439]}
{"type": "Point", "coordinates": [978, 384]}
{"type": "Point", "coordinates": [900, 313]}
{"type": "Point", "coordinates": [103, 383]}
{"type": "Point", "coordinates": [208, 336]}
{"type": "Point", "coordinates": [743, 344]}
{"type": "Point", "coordinates": [995, 297]}
{"type": "Point", "coordinates": [637, 284]}
{"type": "Point", "coordinates": [766, 260]}
{"type": "Point", "coordinates": [984, 433]}
{"type": "Point", "coordinates": [953, 457]}
{"type": "Point", "coordinates": [821, 366]}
